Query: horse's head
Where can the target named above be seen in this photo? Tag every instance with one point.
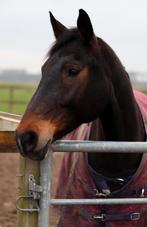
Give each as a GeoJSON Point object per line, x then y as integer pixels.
{"type": "Point", "coordinates": [73, 88]}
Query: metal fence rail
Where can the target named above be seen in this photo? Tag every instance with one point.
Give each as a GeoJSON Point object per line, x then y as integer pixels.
{"type": "Point", "coordinates": [84, 146]}
{"type": "Point", "coordinates": [99, 146]}
{"type": "Point", "coordinates": [124, 201]}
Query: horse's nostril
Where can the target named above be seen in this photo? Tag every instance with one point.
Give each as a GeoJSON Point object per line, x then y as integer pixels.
{"type": "Point", "coordinates": [27, 141]}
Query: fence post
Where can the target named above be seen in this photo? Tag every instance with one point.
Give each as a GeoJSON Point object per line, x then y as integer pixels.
{"type": "Point", "coordinates": [11, 94]}
{"type": "Point", "coordinates": [27, 167]}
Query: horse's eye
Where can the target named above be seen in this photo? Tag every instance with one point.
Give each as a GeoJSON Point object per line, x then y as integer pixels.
{"type": "Point", "coordinates": [72, 71]}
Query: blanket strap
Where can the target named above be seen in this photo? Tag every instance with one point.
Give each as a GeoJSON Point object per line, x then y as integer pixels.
{"type": "Point", "coordinates": [139, 192]}
{"type": "Point", "coordinates": [103, 216]}
{"type": "Point", "coordinates": [118, 217]}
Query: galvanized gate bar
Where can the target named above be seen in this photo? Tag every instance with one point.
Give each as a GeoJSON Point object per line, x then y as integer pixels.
{"type": "Point", "coordinates": [7, 142]}
{"type": "Point", "coordinates": [99, 146]}
{"type": "Point", "coordinates": [83, 146]}
{"type": "Point", "coordinates": [45, 182]}
{"type": "Point", "coordinates": [123, 201]}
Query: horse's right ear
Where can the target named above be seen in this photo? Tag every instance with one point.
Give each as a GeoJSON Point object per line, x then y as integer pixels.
{"type": "Point", "coordinates": [58, 28]}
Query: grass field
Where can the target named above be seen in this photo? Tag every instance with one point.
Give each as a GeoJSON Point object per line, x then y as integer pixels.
{"type": "Point", "coordinates": [14, 98]}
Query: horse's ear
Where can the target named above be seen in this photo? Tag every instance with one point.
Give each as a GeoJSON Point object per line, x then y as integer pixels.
{"type": "Point", "coordinates": [58, 28]}
{"type": "Point", "coordinates": [85, 27]}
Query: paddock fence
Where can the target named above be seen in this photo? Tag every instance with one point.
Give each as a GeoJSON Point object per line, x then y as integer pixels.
{"type": "Point", "coordinates": [34, 200]}
{"type": "Point", "coordinates": [15, 97]}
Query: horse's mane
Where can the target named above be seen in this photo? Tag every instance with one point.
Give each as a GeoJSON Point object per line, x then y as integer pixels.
{"type": "Point", "coordinates": [111, 58]}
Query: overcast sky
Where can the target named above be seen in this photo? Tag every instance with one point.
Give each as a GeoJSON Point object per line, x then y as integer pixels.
{"type": "Point", "coordinates": [26, 34]}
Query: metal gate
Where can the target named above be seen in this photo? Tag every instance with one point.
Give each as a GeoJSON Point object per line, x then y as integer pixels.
{"type": "Point", "coordinates": [38, 214]}
{"type": "Point", "coordinates": [82, 146]}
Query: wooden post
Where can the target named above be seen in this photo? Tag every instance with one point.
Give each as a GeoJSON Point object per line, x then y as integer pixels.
{"type": "Point", "coordinates": [27, 167]}
{"type": "Point", "coordinates": [11, 93]}
{"type": "Point", "coordinates": [7, 142]}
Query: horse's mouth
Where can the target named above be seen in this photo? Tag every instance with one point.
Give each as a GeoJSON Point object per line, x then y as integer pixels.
{"type": "Point", "coordinates": [41, 154]}
{"type": "Point", "coordinates": [37, 154]}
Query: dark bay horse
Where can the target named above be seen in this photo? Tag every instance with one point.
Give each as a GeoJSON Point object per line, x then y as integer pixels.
{"type": "Point", "coordinates": [83, 81]}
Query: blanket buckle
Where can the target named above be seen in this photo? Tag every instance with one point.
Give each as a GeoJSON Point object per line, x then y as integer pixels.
{"type": "Point", "coordinates": [135, 216]}
{"type": "Point", "coordinates": [99, 194]}
{"type": "Point", "coordinates": [100, 217]}
{"type": "Point", "coordinates": [142, 193]}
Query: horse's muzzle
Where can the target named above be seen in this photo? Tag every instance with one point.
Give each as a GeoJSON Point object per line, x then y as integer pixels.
{"type": "Point", "coordinates": [27, 143]}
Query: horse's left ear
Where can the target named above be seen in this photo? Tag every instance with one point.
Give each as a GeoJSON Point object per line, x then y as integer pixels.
{"type": "Point", "coordinates": [85, 27]}
{"type": "Point", "coordinates": [58, 28]}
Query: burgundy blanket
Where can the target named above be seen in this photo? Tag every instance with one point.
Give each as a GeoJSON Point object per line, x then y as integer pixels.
{"type": "Point", "coordinates": [75, 181]}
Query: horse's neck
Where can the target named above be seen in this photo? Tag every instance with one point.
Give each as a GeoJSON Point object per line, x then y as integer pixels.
{"type": "Point", "coordinates": [118, 124]}
{"type": "Point", "coordinates": [122, 118]}
{"type": "Point", "coordinates": [121, 121]}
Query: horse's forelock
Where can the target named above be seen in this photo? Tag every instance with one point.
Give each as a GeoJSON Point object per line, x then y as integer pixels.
{"type": "Point", "coordinates": [68, 37]}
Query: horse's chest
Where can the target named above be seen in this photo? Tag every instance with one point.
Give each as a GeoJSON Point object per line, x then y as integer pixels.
{"type": "Point", "coordinates": [111, 171]}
